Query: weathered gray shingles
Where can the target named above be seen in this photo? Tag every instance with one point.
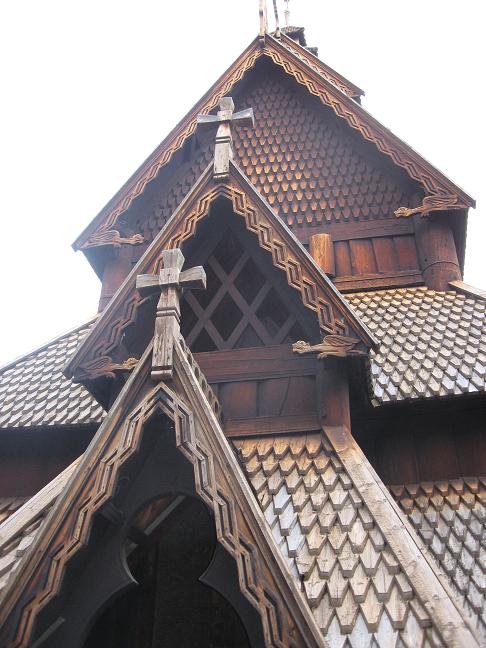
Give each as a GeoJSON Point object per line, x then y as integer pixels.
{"type": "Point", "coordinates": [34, 391]}
{"type": "Point", "coordinates": [431, 343]}
{"type": "Point", "coordinates": [450, 517]}
{"type": "Point", "coordinates": [8, 506]}
{"type": "Point", "coordinates": [355, 587]}
{"type": "Point", "coordinates": [11, 553]}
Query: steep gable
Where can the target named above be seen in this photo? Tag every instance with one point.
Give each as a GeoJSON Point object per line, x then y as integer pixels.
{"type": "Point", "coordinates": [299, 65]}
{"type": "Point", "coordinates": [108, 342]}
{"type": "Point", "coordinates": [192, 426]}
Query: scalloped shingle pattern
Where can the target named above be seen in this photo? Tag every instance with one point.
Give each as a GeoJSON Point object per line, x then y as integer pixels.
{"type": "Point", "coordinates": [450, 517]}
{"type": "Point", "coordinates": [306, 163]}
{"type": "Point", "coordinates": [430, 343]}
{"type": "Point", "coordinates": [34, 391]}
{"type": "Point", "coordinates": [353, 583]}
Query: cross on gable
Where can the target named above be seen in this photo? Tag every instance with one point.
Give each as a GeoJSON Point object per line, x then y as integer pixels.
{"type": "Point", "coordinates": [223, 150]}
{"type": "Point", "coordinates": [170, 281]}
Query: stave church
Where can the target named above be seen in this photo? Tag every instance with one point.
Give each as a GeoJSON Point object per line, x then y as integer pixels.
{"type": "Point", "coordinates": [273, 432]}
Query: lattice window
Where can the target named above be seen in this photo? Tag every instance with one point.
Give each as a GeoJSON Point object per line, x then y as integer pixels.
{"type": "Point", "coordinates": [246, 303]}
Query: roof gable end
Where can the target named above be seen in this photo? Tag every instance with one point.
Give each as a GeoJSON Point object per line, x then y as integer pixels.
{"type": "Point", "coordinates": [333, 91]}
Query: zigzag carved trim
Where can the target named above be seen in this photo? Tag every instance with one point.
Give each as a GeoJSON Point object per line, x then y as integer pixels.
{"type": "Point", "coordinates": [312, 293]}
{"type": "Point", "coordinates": [211, 485]}
{"type": "Point", "coordinates": [283, 258]}
{"type": "Point", "coordinates": [174, 146]}
{"type": "Point", "coordinates": [302, 70]}
{"type": "Point", "coordinates": [318, 66]}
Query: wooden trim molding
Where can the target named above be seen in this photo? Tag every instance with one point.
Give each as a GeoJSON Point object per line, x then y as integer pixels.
{"type": "Point", "coordinates": [311, 77]}
{"type": "Point", "coordinates": [315, 289]}
{"type": "Point", "coordinates": [466, 289]}
{"type": "Point", "coordinates": [241, 528]}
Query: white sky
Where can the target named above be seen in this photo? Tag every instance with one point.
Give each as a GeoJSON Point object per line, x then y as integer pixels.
{"type": "Point", "coordinates": [90, 88]}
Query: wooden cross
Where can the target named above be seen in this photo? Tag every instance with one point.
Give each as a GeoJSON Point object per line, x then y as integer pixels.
{"type": "Point", "coordinates": [223, 150]}
{"type": "Point", "coordinates": [170, 281]}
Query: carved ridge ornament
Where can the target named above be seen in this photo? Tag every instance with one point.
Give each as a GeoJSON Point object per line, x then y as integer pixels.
{"type": "Point", "coordinates": [334, 98]}
{"type": "Point", "coordinates": [111, 237]}
{"type": "Point", "coordinates": [169, 282]}
{"type": "Point", "coordinates": [430, 204]}
{"type": "Point", "coordinates": [104, 366]}
{"type": "Point", "coordinates": [336, 346]}
{"type": "Point", "coordinates": [278, 627]}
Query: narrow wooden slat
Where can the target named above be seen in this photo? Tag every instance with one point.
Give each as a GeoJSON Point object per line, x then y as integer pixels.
{"type": "Point", "coordinates": [271, 425]}
{"type": "Point", "coordinates": [261, 362]}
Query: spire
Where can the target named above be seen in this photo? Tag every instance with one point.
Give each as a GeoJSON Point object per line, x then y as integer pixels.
{"type": "Point", "coordinates": [263, 18]}
{"type": "Point", "coordinates": [287, 13]}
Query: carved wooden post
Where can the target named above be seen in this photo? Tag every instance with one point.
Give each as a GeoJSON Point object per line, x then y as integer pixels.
{"type": "Point", "coordinates": [436, 251]}
{"type": "Point", "coordinates": [223, 151]}
{"type": "Point", "coordinates": [322, 251]}
{"type": "Point", "coordinates": [170, 281]}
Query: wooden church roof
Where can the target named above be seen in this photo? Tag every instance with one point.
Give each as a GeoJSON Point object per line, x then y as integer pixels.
{"type": "Point", "coordinates": [430, 344]}
{"type": "Point", "coordinates": [326, 518]}
{"type": "Point", "coordinates": [323, 551]}
{"type": "Point", "coordinates": [320, 82]}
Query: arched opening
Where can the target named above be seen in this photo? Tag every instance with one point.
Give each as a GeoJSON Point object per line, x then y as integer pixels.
{"type": "Point", "coordinates": [176, 542]}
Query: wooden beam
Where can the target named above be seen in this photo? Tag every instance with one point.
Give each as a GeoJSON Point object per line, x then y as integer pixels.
{"type": "Point", "coordinates": [322, 251]}
{"type": "Point", "coordinates": [466, 289]}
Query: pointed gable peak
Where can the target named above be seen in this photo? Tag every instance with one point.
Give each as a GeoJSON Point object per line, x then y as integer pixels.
{"type": "Point", "coordinates": [330, 88]}
{"type": "Point", "coordinates": [101, 349]}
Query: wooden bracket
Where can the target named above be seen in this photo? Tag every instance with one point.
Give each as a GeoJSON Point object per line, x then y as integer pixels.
{"type": "Point", "coordinates": [111, 237]}
{"type": "Point", "coordinates": [104, 366]}
{"type": "Point", "coordinates": [337, 346]}
{"type": "Point", "coordinates": [432, 203]}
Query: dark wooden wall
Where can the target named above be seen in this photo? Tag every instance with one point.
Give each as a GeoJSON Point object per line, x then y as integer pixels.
{"type": "Point", "coordinates": [425, 442]}
{"type": "Point", "coordinates": [30, 458]}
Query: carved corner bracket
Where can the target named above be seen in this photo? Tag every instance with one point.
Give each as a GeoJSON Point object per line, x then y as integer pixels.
{"type": "Point", "coordinates": [337, 346]}
{"type": "Point", "coordinates": [105, 367]}
{"type": "Point", "coordinates": [430, 204]}
{"type": "Point", "coordinates": [111, 237]}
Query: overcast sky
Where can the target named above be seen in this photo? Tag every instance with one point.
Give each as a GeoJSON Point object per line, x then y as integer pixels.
{"type": "Point", "coordinates": [90, 88]}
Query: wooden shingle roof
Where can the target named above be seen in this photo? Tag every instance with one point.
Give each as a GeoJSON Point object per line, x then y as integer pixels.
{"type": "Point", "coordinates": [431, 344]}
{"type": "Point", "coordinates": [450, 517]}
{"type": "Point", "coordinates": [35, 392]}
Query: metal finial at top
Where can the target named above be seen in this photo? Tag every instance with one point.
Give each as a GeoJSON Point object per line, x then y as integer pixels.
{"type": "Point", "coordinates": [287, 13]}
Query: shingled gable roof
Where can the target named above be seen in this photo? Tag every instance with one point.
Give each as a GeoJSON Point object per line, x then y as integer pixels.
{"type": "Point", "coordinates": [303, 274]}
{"type": "Point", "coordinates": [34, 392]}
{"type": "Point", "coordinates": [366, 575]}
{"type": "Point", "coordinates": [219, 481]}
{"type": "Point", "coordinates": [320, 81]}
{"type": "Point", "coordinates": [337, 558]}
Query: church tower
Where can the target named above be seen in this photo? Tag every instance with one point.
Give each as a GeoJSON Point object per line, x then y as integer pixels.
{"type": "Point", "coordinates": [279, 410]}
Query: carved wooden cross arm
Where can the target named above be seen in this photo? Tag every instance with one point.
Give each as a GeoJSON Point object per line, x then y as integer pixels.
{"type": "Point", "coordinates": [170, 281]}
{"type": "Point", "coordinates": [223, 150]}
